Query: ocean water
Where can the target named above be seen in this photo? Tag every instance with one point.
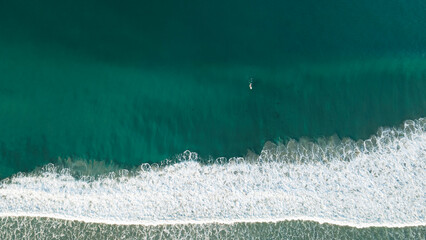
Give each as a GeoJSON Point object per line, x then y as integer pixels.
{"type": "Point", "coordinates": [135, 120]}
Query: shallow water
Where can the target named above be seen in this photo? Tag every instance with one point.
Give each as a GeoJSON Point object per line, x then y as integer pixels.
{"type": "Point", "coordinates": [59, 229]}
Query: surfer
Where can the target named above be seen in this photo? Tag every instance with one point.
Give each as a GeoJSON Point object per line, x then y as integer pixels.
{"type": "Point", "coordinates": [251, 84]}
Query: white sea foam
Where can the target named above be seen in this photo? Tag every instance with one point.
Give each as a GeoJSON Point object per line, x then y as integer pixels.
{"type": "Point", "coordinates": [377, 182]}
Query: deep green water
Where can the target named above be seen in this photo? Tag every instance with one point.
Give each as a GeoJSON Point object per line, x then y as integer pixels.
{"type": "Point", "coordinates": [140, 82]}
{"type": "Point", "coordinates": [135, 82]}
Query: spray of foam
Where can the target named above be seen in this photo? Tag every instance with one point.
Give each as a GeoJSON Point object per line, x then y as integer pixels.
{"type": "Point", "coordinates": [376, 182]}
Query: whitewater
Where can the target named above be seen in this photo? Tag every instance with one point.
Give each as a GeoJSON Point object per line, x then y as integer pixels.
{"type": "Point", "coordinates": [379, 181]}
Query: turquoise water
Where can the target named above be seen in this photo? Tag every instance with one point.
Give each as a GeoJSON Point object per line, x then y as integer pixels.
{"type": "Point", "coordinates": [91, 91]}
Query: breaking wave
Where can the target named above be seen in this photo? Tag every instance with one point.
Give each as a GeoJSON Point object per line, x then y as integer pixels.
{"type": "Point", "coordinates": [376, 182]}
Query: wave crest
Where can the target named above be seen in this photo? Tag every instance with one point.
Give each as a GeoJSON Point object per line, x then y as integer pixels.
{"type": "Point", "coordinates": [376, 182]}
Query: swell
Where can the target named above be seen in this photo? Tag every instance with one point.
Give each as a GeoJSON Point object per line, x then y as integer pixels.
{"type": "Point", "coordinates": [376, 182]}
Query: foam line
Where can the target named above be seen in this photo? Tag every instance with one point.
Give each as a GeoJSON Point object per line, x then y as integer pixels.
{"type": "Point", "coordinates": [218, 221]}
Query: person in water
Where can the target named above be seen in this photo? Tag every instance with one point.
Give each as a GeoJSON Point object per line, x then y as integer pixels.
{"type": "Point", "coordinates": [251, 84]}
